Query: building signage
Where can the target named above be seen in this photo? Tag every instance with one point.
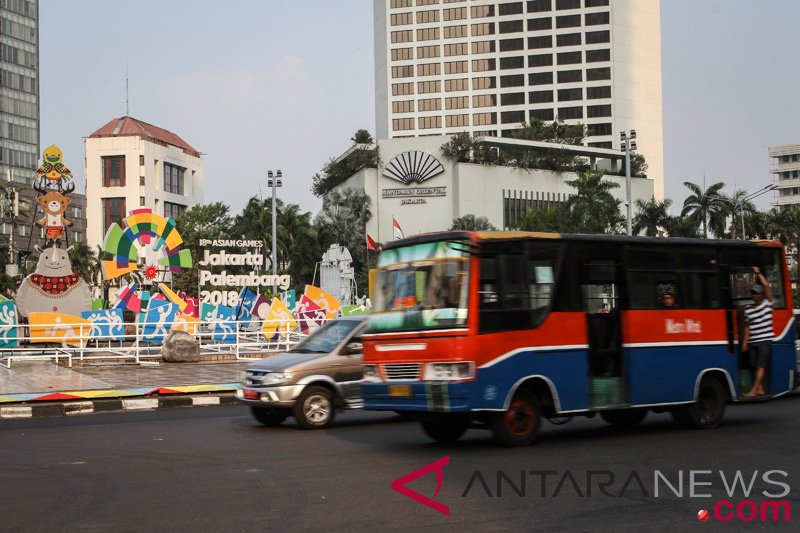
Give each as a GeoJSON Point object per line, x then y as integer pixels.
{"type": "Point", "coordinates": [255, 278]}
{"type": "Point", "coordinates": [412, 166]}
{"type": "Point", "coordinates": [414, 195]}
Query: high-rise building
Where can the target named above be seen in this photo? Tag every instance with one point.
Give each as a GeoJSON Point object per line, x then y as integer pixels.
{"type": "Point", "coordinates": [131, 165]}
{"type": "Point", "coordinates": [484, 67]}
{"type": "Point", "coordinates": [19, 90]}
{"type": "Point", "coordinates": [786, 168]}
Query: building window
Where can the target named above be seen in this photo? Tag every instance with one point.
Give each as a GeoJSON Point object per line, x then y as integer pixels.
{"type": "Point", "coordinates": [482, 11]}
{"type": "Point", "coordinates": [593, 56]}
{"type": "Point", "coordinates": [512, 62]}
{"type": "Point", "coordinates": [510, 45]}
{"type": "Point", "coordinates": [540, 60]}
{"type": "Point", "coordinates": [455, 67]}
{"type": "Point", "coordinates": [594, 130]}
{"type": "Point", "coordinates": [594, 111]}
{"type": "Point", "coordinates": [568, 4]}
{"type": "Point", "coordinates": [114, 171]}
{"type": "Point", "coordinates": [401, 54]}
{"type": "Point", "coordinates": [484, 119]}
{"type": "Point", "coordinates": [515, 80]}
{"type": "Point", "coordinates": [545, 41]}
{"type": "Point", "coordinates": [430, 104]}
{"type": "Point", "coordinates": [569, 76]}
{"type": "Point", "coordinates": [596, 37]}
{"type": "Point", "coordinates": [595, 74]}
{"type": "Point", "coordinates": [141, 160]}
{"type": "Point", "coordinates": [401, 19]}
{"type": "Point", "coordinates": [399, 3]}
{"type": "Point", "coordinates": [456, 102]}
{"type": "Point", "coordinates": [540, 97]}
{"type": "Point", "coordinates": [399, 89]}
{"type": "Point", "coordinates": [113, 211]}
{"type": "Point", "coordinates": [427, 2]}
{"type": "Point", "coordinates": [569, 58]}
{"type": "Point", "coordinates": [424, 52]}
{"type": "Point", "coordinates": [542, 114]}
{"type": "Point", "coordinates": [455, 13]}
{"type": "Point", "coordinates": [428, 34]}
{"type": "Point", "coordinates": [545, 23]}
{"type": "Point", "coordinates": [595, 3]}
{"type": "Point", "coordinates": [512, 99]}
{"type": "Point", "coordinates": [141, 201]}
{"type": "Point", "coordinates": [595, 19]}
{"type": "Point", "coordinates": [484, 100]}
{"type": "Point", "coordinates": [568, 21]}
{"type": "Point", "coordinates": [459, 49]}
{"type": "Point", "coordinates": [510, 26]}
{"type": "Point", "coordinates": [403, 106]}
{"type": "Point", "coordinates": [402, 124]}
{"type": "Point", "coordinates": [427, 123]}
{"type": "Point", "coordinates": [483, 29]}
{"type": "Point", "coordinates": [173, 211]}
{"type": "Point", "coordinates": [482, 47]}
{"type": "Point", "coordinates": [405, 36]}
{"type": "Point", "coordinates": [455, 121]}
{"type": "Point", "coordinates": [570, 112]}
{"type": "Point", "coordinates": [141, 181]}
{"type": "Point", "coordinates": [565, 95]}
{"type": "Point", "coordinates": [76, 236]}
{"type": "Point", "coordinates": [540, 78]}
{"type": "Point", "coordinates": [538, 6]}
{"type": "Point", "coordinates": [484, 83]}
{"type": "Point", "coordinates": [568, 39]}
{"type": "Point", "coordinates": [76, 212]}
{"type": "Point", "coordinates": [514, 8]}
{"type": "Point", "coordinates": [593, 93]}
{"type": "Point", "coordinates": [483, 65]}
{"type": "Point", "coordinates": [173, 178]}
{"type": "Point", "coordinates": [427, 16]}
{"type": "Point", "coordinates": [455, 32]}
{"type": "Point", "coordinates": [406, 71]}
{"type": "Point", "coordinates": [455, 85]}
{"type": "Point", "coordinates": [425, 87]}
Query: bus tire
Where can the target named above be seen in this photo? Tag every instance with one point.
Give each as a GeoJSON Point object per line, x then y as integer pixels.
{"type": "Point", "coordinates": [707, 411]}
{"type": "Point", "coordinates": [444, 430]}
{"type": "Point", "coordinates": [269, 417]}
{"type": "Point", "coordinates": [519, 424]}
{"type": "Point", "coordinates": [624, 418]}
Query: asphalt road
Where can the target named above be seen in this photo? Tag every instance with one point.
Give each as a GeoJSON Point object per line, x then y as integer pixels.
{"type": "Point", "coordinates": [215, 469]}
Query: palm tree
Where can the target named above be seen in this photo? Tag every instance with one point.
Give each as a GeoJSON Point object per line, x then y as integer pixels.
{"type": "Point", "coordinates": [473, 223]}
{"type": "Point", "coordinates": [362, 136]}
{"type": "Point", "coordinates": [84, 263]}
{"type": "Point", "coordinates": [741, 208]}
{"type": "Point", "coordinates": [552, 219]}
{"type": "Point", "coordinates": [593, 209]}
{"type": "Point", "coordinates": [650, 216]}
{"type": "Point", "coordinates": [708, 208]}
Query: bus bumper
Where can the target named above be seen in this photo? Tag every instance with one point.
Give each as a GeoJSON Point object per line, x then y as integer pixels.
{"type": "Point", "coordinates": [432, 396]}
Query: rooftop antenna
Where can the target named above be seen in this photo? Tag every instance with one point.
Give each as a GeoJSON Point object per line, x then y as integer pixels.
{"type": "Point", "coordinates": [127, 111]}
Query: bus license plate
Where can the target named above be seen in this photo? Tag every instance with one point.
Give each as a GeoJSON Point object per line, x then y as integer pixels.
{"type": "Point", "coordinates": [399, 390]}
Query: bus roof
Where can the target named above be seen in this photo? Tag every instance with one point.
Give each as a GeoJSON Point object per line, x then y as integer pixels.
{"type": "Point", "coordinates": [477, 236]}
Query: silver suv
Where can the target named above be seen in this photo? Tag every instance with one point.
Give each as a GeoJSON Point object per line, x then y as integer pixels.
{"type": "Point", "coordinates": [311, 381]}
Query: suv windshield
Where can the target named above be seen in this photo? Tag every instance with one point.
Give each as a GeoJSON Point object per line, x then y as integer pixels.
{"type": "Point", "coordinates": [327, 337]}
{"type": "Point", "coordinates": [421, 286]}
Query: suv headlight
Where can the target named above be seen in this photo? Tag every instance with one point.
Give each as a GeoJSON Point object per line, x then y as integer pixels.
{"type": "Point", "coordinates": [449, 371]}
{"type": "Point", "coordinates": [371, 373]}
{"type": "Point", "coordinates": [274, 378]}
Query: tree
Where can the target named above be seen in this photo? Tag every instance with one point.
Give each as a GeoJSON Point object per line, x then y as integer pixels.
{"type": "Point", "coordinates": [460, 147]}
{"type": "Point", "coordinates": [84, 263]}
{"type": "Point", "coordinates": [709, 208]}
{"type": "Point", "coordinates": [551, 219]}
{"type": "Point", "coordinates": [681, 226]}
{"type": "Point", "coordinates": [593, 209]}
{"type": "Point", "coordinates": [742, 208]}
{"type": "Point", "coordinates": [473, 223]}
{"type": "Point", "coordinates": [557, 132]}
{"type": "Point", "coordinates": [205, 221]}
{"type": "Point", "coordinates": [362, 136]}
{"type": "Point", "coordinates": [650, 216]}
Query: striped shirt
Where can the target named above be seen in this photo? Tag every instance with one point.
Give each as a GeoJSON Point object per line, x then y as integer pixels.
{"type": "Point", "coordinates": [759, 320]}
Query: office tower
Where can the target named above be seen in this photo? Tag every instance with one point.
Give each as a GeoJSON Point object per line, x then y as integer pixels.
{"type": "Point", "coordinates": [786, 168]}
{"type": "Point", "coordinates": [449, 66]}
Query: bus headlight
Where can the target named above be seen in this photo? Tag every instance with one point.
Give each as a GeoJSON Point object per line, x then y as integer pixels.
{"type": "Point", "coordinates": [449, 371]}
{"type": "Point", "coordinates": [371, 373]}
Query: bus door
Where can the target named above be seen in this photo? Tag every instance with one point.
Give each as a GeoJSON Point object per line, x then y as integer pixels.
{"type": "Point", "coordinates": [601, 302]}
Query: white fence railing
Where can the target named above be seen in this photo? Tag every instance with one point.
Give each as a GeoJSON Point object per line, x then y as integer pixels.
{"type": "Point", "coordinates": [140, 342]}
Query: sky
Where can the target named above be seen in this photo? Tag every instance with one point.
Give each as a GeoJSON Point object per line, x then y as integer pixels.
{"type": "Point", "coordinates": [258, 86]}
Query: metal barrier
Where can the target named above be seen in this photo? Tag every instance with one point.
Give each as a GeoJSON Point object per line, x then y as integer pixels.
{"type": "Point", "coordinates": [138, 343]}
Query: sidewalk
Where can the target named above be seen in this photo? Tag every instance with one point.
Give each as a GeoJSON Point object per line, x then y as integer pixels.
{"type": "Point", "coordinates": [42, 388]}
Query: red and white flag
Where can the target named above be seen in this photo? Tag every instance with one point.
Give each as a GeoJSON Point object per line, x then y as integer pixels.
{"type": "Point", "coordinates": [371, 244]}
{"type": "Point", "coordinates": [398, 231]}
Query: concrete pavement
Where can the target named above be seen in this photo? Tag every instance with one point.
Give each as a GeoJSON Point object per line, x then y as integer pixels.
{"type": "Point", "coordinates": [44, 388]}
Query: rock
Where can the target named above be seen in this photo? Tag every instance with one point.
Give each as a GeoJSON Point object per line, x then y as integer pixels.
{"type": "Point", "coordinates": [180, 347]}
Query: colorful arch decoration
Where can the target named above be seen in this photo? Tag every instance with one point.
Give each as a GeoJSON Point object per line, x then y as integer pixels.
{"type": "Point", "coordinates": [143, 225]}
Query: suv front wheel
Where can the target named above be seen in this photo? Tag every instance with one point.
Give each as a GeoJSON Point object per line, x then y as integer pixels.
{"type": "Point", "coordinates": [315, 408]}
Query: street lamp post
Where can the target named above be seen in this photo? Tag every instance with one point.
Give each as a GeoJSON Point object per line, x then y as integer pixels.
{"type": "Point", "coordinates": [274, 181]}
{"type": "Point", "coordinates": [740, 203]}
{"type": "Point", "coordinates": [628, 143]}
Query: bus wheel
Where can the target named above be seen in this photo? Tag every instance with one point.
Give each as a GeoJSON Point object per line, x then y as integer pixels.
{"type": "Point", "coordinates": [707, 411]}
{"type": "Point", "coordinates": [519, 424]}
{"type": "Point", "coordinates": [444, 430]}
{"type": "Point", "coordinates": [624, 418]}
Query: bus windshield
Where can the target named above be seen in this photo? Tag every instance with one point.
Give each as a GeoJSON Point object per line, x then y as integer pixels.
{"type": "Point", "coordinates": [422, 286]}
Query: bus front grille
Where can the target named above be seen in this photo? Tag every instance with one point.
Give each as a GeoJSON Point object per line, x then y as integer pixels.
{"type": "Point", "coordinates": [402, 371]}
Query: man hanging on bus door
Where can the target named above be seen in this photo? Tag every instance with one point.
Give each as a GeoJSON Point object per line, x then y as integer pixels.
{"type": "Point", "coordinates": [758, 333]}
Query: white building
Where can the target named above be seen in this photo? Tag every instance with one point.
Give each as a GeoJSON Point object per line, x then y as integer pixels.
{"type": "Point", "coordinates": [786, 168]}
{"type": "Point", "coordinates": [132, 165]}
{"type": "Point", "coordinates": [484, 67]}
{"type": "Point", "coordinates": [425, 192]}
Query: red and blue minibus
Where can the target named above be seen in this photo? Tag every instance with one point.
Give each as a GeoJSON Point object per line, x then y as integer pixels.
{"type": "Point", "coordinates": [502, 329]}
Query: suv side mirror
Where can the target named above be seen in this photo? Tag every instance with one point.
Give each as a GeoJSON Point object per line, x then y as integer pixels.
{"type": "Point", "coordinates": [353, 348]}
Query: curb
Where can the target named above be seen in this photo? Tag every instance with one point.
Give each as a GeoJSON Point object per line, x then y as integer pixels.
{"type": "Point", "coordinates": [82, 407]}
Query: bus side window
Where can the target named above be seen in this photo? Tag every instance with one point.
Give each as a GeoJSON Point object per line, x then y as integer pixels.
{"type": "Point", "coordinates": [773, 271]}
